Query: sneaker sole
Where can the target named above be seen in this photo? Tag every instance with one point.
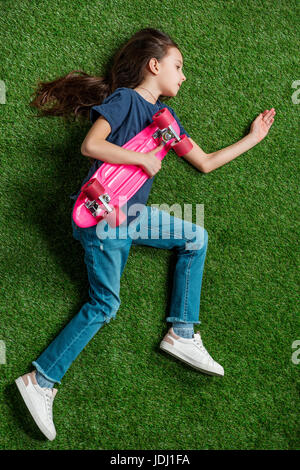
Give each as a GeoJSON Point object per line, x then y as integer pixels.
{"type": "Point", "coordinates": [22, 389]}
{"type": "Point", "coordinates": [173, 352]}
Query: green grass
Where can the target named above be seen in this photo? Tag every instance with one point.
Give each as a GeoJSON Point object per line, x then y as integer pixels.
{"type": "Point", "coordinates": [122, 392]}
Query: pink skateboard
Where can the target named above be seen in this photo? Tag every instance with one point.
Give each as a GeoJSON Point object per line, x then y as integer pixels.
{"type": "Point", "coordinates": [112, 186]}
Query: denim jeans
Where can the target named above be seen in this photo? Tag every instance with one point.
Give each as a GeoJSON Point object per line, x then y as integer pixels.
{"type": "Point", "coordinates": [106, 252]}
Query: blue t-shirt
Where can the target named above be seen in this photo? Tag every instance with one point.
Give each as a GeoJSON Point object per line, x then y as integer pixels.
{"type": "Point", "coordinates": [128, 113]}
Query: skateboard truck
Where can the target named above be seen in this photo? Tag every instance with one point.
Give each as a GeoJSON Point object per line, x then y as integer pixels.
{"type": "Point", "coordinates": [94, 206]}
{"type": "Point", "coordinates": [97, 197]}
{"type": "Point", "coordinates": [166, 134]}
{"type": "Point", "coordinates": [162, 119]}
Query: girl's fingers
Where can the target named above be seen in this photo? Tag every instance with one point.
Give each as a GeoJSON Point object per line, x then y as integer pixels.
{"type": "Point", "coordinates": [270, 112]}
{"type": "Point", "coordinates": [269, 116]}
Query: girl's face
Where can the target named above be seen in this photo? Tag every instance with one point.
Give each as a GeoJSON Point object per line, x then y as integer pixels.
{"type": "Point", "coordinates": [170, 76]}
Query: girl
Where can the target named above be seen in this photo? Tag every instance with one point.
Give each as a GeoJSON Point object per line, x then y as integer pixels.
{"type": "Point", "coordinates": [121, 104]}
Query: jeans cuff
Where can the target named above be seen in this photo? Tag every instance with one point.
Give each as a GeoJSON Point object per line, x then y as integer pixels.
{"type": "Point", "coordinates": [39, 369]}
{"type": "Point", "coordinates": [178, 320]}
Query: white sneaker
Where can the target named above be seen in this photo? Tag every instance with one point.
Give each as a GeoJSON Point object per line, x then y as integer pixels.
{"type": "Point", "coordinates": [191, 351]}
{"type": "Point", "coordinates": [39, 402]}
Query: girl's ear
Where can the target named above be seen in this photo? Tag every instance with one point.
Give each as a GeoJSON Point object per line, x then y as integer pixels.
{"type": "Point", "coordinates": [153, 65]}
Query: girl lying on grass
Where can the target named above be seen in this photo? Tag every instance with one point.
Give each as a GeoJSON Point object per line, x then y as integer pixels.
{"type": "Point", "coordinates": [147, 69]}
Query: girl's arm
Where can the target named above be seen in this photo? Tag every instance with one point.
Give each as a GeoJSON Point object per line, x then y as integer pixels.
{"type": "Point", "coordinates": [209, 162]}
{"type": "Point", "coordinates": [95, 146]}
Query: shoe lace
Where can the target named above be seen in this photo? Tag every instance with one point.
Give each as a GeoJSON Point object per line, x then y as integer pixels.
{"type": "Point", "coordinates": [49, 401]}
{"type": "Point", "coordinates": [198, 341]}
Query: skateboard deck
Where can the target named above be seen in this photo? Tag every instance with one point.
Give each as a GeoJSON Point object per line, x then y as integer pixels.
{"type": "Point", "coordinates": [119, 183]}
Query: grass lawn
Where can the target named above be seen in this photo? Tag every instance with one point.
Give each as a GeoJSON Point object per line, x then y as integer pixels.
{"type": "Point", "coordinates": [122, 392]}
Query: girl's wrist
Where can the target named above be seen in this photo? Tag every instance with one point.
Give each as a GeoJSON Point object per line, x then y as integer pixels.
{"type": "Point", "coordinates": [252, 139]}
{"type": "Point", "coordinates": [139, 158]}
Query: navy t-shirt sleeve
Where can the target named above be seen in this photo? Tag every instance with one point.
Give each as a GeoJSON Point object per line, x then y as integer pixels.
{"type": "Point", "coordinates": [115, 109]}
{"type": "Point", "coordinates": [182, 129]}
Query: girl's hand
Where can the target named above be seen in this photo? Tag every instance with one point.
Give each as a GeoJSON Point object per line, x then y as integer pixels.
{"type": "Point", "coordinates": [150, 163]}
{"type": "Point", "coordinates": [261, 125]}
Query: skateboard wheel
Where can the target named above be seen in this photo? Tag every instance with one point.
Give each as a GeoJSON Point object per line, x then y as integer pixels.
{"type": "Point", "coordinates": [115, 218]}
{"type": "Point", "coordinates": [163, 118]}
{"type": "Point", "coordinates": [183, 147]}
{"type": "Point", "coordinates": [93, 189]}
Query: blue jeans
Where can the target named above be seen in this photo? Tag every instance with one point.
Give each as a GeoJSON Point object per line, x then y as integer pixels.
{"type": "Point", "coordinates": [106, 253]}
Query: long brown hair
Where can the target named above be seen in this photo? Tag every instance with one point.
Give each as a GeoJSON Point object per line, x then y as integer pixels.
{"type": "Point", "coordinates": [75, 93]}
